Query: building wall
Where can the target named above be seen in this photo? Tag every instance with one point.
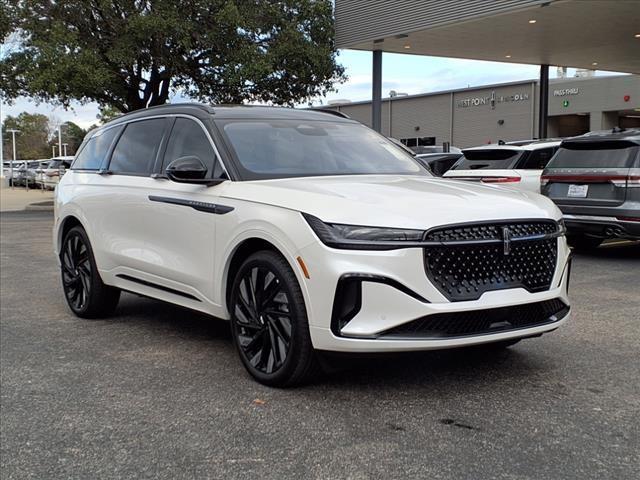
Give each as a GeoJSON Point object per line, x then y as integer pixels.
{"type": "Point", "coordinates": [416, 117]}
{"type": "Point", "coordinates": [476, 119]}
{"type": "Point", "coordinates": [492, 114]}
{"type": "Point", "coordinates": [597, 94]}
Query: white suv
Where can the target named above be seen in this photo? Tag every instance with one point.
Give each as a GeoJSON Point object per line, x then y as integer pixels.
{"type": "Point", "coordinates": [308, 231]}
{"type": "Point", "coordinates": [516, 165]}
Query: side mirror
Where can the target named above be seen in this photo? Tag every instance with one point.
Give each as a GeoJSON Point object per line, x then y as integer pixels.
{"type": "Point", "coordinates": [190, 169]}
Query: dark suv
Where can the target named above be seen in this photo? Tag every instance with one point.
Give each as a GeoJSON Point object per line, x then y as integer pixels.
{"type": "Point", "coordinates": [595, 180]}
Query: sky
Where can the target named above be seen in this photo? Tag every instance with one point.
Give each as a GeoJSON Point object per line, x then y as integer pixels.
{"type": "Point", "coordinates": [404, 73]}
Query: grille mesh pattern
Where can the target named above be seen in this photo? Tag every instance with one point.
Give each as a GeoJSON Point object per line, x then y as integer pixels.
{"type": "Point", "coordinates": [491, 231]}
{"type": "Point", "coordinates": [465, 272]}
{"type": "Point", "coordinates": [481, 321]}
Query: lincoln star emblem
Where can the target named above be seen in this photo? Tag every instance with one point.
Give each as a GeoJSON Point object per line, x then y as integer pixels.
{"type": "Point", "coordinates": [506, 240]}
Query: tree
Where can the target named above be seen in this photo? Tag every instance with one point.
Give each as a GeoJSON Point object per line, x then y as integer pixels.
{"type": "Point", "coordinates": [107, 114]}
{"type": "Point", "coordinates": [130, 54]}
{"type": "Point", "coordinates": [72, 135]}
{"type": "Point", "coordinates": [32, 141]}
{"type": "Point", "coordinates": [10, 86]}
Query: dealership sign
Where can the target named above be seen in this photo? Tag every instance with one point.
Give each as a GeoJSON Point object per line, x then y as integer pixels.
{"type": "Point", "coordinates": [492, 100]}
{"type": "Point", "coordinates": [566, 91]}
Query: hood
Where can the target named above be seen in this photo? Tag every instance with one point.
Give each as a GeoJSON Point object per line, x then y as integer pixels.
{"type": "Point", "coordinates": [393, 200]}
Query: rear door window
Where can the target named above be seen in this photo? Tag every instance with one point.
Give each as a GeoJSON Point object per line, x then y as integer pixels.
{"type": "Point", "coordinates": [488, 159]}
{"type": "Point", "coordinates": [95, 150]}
{"type": "Point", "coordinates": [136, 150]}
{"type": "Point", "coordinates": [592, 155]}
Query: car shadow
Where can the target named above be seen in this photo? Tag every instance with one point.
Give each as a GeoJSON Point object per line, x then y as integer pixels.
{"type": "Point", "coordinates": [461, 366]}
{"type": "Point", "coordinates": [613, 250]}
{"type": "Point", "coordinates": [390, 370]}
{"type": "Point", "coordinates": [161, 316]}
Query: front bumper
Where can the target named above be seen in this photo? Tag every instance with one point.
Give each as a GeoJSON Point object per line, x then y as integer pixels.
{"type": "Point", "coordinates": [395, 291]}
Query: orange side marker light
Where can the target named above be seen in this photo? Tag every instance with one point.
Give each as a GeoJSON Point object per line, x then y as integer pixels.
{"type": "Point", "coordinates": [303, 267]}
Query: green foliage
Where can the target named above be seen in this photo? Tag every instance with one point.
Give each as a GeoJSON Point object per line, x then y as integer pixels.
{"type": "Point", "coordinates": [32, 139]}
{"type": "Point", "coordinates": [72, 135]}
{"type": "Point", "coordinates": [107, 113]}
{"type": "Point", "coordinates": [10, 85]}
{"type": "Point", "coordinates": [130, 54]}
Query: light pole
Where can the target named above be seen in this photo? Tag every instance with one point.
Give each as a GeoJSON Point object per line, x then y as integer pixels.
{"type": "Point", "coordinates": [60, 139]}
{"type": "Point", "coordinates": [13, 132]}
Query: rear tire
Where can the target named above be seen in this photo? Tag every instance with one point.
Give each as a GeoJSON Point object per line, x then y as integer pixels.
{"type": "Point", "coordinates": [269, 322]}
{"type": "Point", "coordinates": [584, 243]}
{"type": "Point", "coordinates": [86, 294]}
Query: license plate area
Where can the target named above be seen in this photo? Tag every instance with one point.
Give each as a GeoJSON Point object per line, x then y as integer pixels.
{"type": "Point", "coordinates": [578, 191]}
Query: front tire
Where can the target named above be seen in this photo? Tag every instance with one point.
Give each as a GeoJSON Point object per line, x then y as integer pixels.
{"type": "Point", "coordinates": [86, 294]}
{"type": "Point", "coordinates": [269, 322]}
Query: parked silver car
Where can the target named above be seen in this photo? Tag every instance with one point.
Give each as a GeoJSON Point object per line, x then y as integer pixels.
{"type": "Point", "coordinates": [9, 173]}
{"type": "Point", "coordinates": [594, 179]}
{"type": "Point", "coordinates": [52, 172]}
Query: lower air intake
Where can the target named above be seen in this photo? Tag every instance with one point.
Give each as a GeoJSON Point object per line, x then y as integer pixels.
{"type": "Point", "coordinates": [476, 322]}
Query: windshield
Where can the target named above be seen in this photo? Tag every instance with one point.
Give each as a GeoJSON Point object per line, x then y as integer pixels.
{"type": "Point", "coordinates": [594, 155]}
{"type": "Point", "coordinates": [500, 158]}
{"type": "Point", "coordinates": [293, 148]}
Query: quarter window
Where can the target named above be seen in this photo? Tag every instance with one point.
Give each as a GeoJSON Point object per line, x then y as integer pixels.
{"type": "Point", "coordinates": [94, 151]}
{"type": "Point", "coordinates": [538, 159]}
{"type": "Point", "coordinates": [137, 148]}
{"type": "Point", "coordinates": [188, 139]}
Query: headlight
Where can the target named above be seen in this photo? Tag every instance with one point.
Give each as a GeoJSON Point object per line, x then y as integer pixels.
{"type": "Point", "coordinates": [356, 237]}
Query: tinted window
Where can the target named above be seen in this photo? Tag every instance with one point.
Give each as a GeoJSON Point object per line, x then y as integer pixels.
{"type": "Point", "coordinates": [594, 155]}
{"type": "Point", "coordinates": [137, 148]}
{"type": "Point", "coordinates": [488, 159]}
{"type": "Point", "coordinates": [188, 139]}
{"type": "Point", "coordinates": [538, 159]}
{"type": "Point", "coordinates": [290, 148]}
{"type": "Point", "coordinates": [94, 151]}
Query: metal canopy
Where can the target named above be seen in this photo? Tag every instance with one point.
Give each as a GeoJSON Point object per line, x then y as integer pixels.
{"type": "Point", "coordinates": [590, 34]}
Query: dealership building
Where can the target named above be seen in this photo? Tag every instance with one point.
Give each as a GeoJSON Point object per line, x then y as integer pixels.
{"type": "Point", "coordinates": [507, 111]}
{"type": "Point", "coordinates": [584, 34]}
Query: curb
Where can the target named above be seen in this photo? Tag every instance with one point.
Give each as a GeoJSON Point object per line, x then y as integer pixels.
{"type": "Point", "coordinates": [46, 206]}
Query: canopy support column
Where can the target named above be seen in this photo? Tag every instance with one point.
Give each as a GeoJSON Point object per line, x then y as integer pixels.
{"type": "Point", "coordinates": [376, 92]}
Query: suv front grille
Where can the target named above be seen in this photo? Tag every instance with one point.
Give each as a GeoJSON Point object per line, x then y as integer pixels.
{"type": "Point", "coordinates": [477, 322]}
{"type": "Point", "coordinates": [473, 259]}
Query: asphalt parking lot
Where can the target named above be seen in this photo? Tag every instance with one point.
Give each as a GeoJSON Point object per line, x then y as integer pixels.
{"type": "Point", "coordinates": [158, 392]}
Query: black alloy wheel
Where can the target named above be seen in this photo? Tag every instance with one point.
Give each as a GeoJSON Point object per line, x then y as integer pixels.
{"type": "Point", "coordinates": [269, 321]}
{"type": "Point", "coordinates": [76, 272]}
{"type": "Point", "coordinates": [86, 294]}
{"type": "Point", "coordinates": [263, 319]}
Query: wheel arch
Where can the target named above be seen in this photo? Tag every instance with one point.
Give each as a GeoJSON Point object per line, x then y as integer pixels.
{"type": "Point", "coordinates": [66, 224]}
{"type": "Point", "coordinates": [241, 251]}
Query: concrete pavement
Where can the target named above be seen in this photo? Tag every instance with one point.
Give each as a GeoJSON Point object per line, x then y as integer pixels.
{"type": "Point", "coordinates": [17, 198]}
{"type": "Point", "coordinates": [158, 392]}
